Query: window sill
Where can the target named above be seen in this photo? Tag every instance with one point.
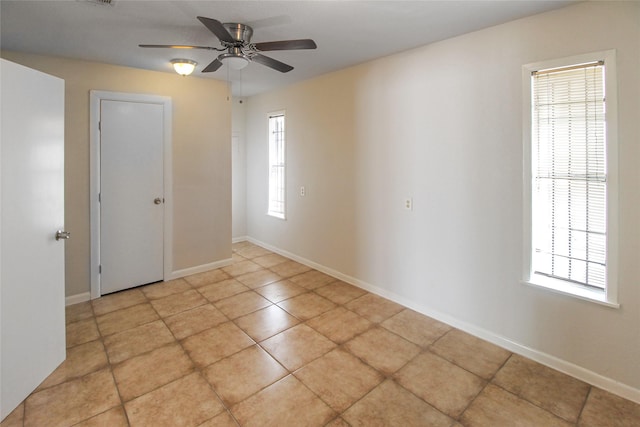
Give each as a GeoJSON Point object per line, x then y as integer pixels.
{"type": "Point", "coordinates": [564, 288]}
{"type": "Point", "coordinates": [277, 216]}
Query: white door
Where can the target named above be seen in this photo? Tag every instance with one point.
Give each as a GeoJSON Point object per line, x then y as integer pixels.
{"type": "Point", "coordinates": [131, 194]}
{"type": "Point", "coordinates": [32, 339]}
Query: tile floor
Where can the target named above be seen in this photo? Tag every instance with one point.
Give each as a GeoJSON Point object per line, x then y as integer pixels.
{"type": "Point", "coordinates": [269, 342]}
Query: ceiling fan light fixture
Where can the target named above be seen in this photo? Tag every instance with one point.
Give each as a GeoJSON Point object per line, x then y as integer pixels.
{"type": "Point", "coordinates": [184, 67]}
{"type": "Point", "coordinates": [234, 61]}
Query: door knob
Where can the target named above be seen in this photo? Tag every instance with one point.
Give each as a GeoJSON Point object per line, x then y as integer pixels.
{"type": "Point", "coordinates": [157, 200]}
{"type": "Point", "coordinates": [60, 234]}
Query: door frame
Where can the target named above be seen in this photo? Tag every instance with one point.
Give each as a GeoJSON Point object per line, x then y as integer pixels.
{"type": "Point", "coordinates": [96, 96]}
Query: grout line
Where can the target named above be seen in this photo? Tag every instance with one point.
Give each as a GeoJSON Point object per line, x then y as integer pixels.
{"type": "Point", "coordinates": [454, 419]}
{"type": "Point", "coordinates": [584, 404]}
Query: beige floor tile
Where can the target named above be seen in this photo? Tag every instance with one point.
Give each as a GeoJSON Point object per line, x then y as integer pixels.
{"type": "Point", "coordinates": [266, 322]}
{"type": "Point", "coordinates": [177, 303]}
{"type": "Point", "coordinates": [81, 332]}
{"type": "Point", "coordinates": [117, 301]}
{"type": "Point", "coordinates": [73, 401]}
{"type": "Point", "coordinates": [216, 343]}
{"type": "Point", "coordinates": [473, 354]}
{"type": "Point", "coordinates": [253, 251]}
{"type": "Point", "coordinates": [440, 383]}
{"type": "Point", "coordinates": [237, 258]}
{"type": "Point", "coordinates": [141, 374]}
{"type": "Point", "coordinates": [188, 401]}
{"type": "Point", "coordinates": [224, 419]}
{"type": "Point", "coordinates": [339, 324]}
{"type": "Point", "coordinates": [163, 289]}
{"type": "Point", "coordinates": [258, 278]}
{"type": "Point", "coordinates": [289, 268]}
{"type": "Point", "coordinates": [126, 318]}
{"type": "Point", "coordinates": [497, 407]}
{"type": "Point", "coordinates": [339, 378]}
{"type": "Point", "coordinates": [285, 403]}
{"type": "Point", "coordinates": [15, 418]}
{"type": "Point", "coordinates": [297, 346]}
{"type": "Point", "coordinates": [239, 376]}
{"type": "Point", "coordinates": [133, 342]}
{"type": "Point", "coordinates": [307, 306]}
{"type": "Point", "coordinates": [196, 320]}
{"type": "Point", "coordinates": [223, 289]}
{"type": "Point", "coordinates": [240, 268]}
{"type": "Point", "coordinates": [391, 405]}
{"type": "Point", "coordinates": [374, 308]}
{"type": "Point", "coordinates": [554, 391]}
{"type": "Point", "coordinates": [340, 292]}
{"type": "Point", "coordinates": [280, 291]}
{"type": "Point", "coordinates": [434, 370]}
{"type": "Point", "coordinates": [416, 327]}
{"type": "Point", "coordinates": [383, 350]}
{"type": "Point", "coordinates": [114, 417]}
{"type": "Point", "coordinates": [269, 260]}
{"type": "Point", "coordinates": [81, 360]}
{"type": "Point", "coordinates": [79, 311]}
{"type": "Point", "coordinates": [206, 278]}
{"type": "Point", "coordinates": [605, 409]}
{"type": "Point", "coordinates": [241, 304]}
{"type": "Point", "coordinates": [239, 245]}
{"type": "Point", "coordinates": [312, 279]}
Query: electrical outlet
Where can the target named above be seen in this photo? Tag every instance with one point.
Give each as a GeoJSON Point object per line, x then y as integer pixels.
{"type": "Point", "coordinates": [303, 191]}
{"type": "Point", "coordinates": [408, 204]}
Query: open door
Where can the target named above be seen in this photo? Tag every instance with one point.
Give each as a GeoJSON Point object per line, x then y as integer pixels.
{"type": "Point", "coordinates": [32, 323]}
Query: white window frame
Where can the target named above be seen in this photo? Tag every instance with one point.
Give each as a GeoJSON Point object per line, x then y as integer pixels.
{"type": "Point", "coordinates": [609, 296]}
{"type": "Point", "coordinates": [272, 199]}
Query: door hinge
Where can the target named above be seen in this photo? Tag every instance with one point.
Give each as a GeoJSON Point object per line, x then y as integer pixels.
{"type": "Point", "coordinates": [99, 197]}
{"type": "Point", "coordinates": [99, 126]}
{"type": "Point", "coordinates": [99, 269]}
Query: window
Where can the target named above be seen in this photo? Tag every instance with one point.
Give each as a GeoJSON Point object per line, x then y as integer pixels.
{"type": "Point", "coordinates": [276, 165]}
{"type": "Point", "coordinates": [571, 196]}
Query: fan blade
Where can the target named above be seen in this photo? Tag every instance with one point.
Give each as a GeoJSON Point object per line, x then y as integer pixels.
{"type": "Point", "coordinates": [217, 28]}
{"type": "Point", "coordinates": [176, 46]}
{"type": "Point", "coordinates": [286, 45]}
{"type": "Point", "coordinates": [213, 66]}
{"type": "Point", "coordinates": [271, 63]}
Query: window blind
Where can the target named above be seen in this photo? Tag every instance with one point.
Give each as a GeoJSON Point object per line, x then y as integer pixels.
{"type": "Point", "coordinates": [276, 166]}
{"type": "Point", "coordinates": [570, 177]}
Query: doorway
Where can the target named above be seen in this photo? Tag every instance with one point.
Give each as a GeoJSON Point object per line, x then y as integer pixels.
{"type": "Point", "coordinates": [131, 203]}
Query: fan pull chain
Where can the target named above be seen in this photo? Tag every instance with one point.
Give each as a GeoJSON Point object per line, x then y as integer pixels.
{"type": "Point", "coordinates": [229, 87]}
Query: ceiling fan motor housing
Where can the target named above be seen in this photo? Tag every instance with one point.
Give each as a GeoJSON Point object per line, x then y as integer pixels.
{"type": "Point", "coordinates": [241, 33]}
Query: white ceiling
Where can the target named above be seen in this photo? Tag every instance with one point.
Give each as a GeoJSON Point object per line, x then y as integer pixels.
{"type": "Point", "coordinates": [346, 32]}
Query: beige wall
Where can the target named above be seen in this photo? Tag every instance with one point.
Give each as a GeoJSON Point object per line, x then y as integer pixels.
{"type": "Point", "coordinates": [443, 124]}
{"type": "Point", "coordinates": [201, 158]}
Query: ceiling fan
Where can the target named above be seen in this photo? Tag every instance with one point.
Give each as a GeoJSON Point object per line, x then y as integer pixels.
{"type": "Point", "coordinates": [238, 49]}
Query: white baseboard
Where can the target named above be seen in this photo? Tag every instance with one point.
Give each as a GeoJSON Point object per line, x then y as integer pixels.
{"type": "Point", "coordinates": [590, 377]}
{"type": "Point", "coordinates": [86, 296]}
{"type": "Point", "coordinates": [239, 239]}
{"type": "Point", "coordinates": [199, 269]}
{"type": "Point", "coordinates": [576, 371]}
{"type": "Point", "coordinates": [77, 298]}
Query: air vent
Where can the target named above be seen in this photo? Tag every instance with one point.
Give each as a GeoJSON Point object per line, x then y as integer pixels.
{"type": "Point", "coordinates": [99, 2]}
